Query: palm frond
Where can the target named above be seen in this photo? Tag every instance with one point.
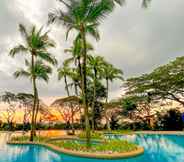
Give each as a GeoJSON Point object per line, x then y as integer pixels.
{"type": "Point", "coordinates": [47, 57]}
{"type": "Point", "coordinates": [18, 49]}
{"type": "Point", "coordinates": [42, 70]}
{"type": "Point", "coordinates": [22, 73]}
{"type": "Point", "coordinates": [23, 32]}
{"type": "Point", "coordinates": [145, 3]}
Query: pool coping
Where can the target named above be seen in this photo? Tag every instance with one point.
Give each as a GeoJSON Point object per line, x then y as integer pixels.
{"type": "Point", "coordinates": [134, 153]}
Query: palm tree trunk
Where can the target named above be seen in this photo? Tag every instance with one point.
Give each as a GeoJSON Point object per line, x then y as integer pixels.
{"type": "Point", "coordinates": [37, 108]}
{"type": "Point", "coordinates": [107, 93]}
{"type": "Point", "coordinates": [94, 100]}
{"type": "Point", "coordinates": [76, 89]}
{"type": "Point", "coordinates": [107, 89]}
{"type": "Point", "coordinates": [34, 103]}
{"type": "Point", "coordinates": [68, 93]}
{"type": "Point", "coordinates": [84, 87]}
{"type": "Point", "coordinates": [66, 86]}
{"type": "Point", "coordinates": [80, 70]}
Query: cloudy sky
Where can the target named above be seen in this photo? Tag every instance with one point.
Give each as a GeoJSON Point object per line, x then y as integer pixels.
{"type": "Point", "coordinates": [134, 39]}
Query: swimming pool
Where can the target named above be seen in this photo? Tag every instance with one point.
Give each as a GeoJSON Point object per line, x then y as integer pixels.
{"type": "Point", "coordinates": [158, 148]}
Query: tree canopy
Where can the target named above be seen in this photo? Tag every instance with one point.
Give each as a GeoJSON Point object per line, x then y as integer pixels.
{"type": "Point", "coordinates": [165, 82]}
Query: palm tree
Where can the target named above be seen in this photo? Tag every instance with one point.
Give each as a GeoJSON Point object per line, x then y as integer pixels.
{"type": "Point", "coordinates": [84, 16]}
{"type": "Point", "coordinates": [96, 65]}
{"type": "Point", "coordinates": [40, 71]}
{"type": "Point", "coordinates": [76, 52]}
{"type": "Point", "coordinates": [36, 45]}
{"type": "Point", "coordinates": [110, 73]}
{"type": "Point", "coordinates": [64, 72]}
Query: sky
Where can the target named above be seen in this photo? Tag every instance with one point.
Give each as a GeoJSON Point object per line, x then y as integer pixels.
{"type": "Point", "coordinates": [134, 39]}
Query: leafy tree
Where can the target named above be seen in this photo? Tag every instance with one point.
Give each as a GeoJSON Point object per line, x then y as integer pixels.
{"type": "Point", "coordinates": [171, 120]}
{"type": "Point", "coordinates": [36, 44]}
{"type": "Point", "coordinates": [165, 82]}
{"type": "Point", "coordinates": [9, 113]}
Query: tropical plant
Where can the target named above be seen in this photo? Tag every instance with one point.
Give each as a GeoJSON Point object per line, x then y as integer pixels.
{"type": "Point", "coordinates": [36, 45]}
{"type": "Point", "coordinates": [96, 64]}
{"type": "Point", "coordinates": [64, 72]}
{"type": "Point", "coordinates": [110, 73]}
{"type": "Point", "coordinates": [84, 16]}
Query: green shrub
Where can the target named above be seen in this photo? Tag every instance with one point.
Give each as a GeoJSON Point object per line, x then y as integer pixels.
{"type": "Point", "coordinates": [94, 135]}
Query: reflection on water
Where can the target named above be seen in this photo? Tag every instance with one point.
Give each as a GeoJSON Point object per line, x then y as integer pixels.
{"type": "Point", "coordinates": [158, 148]}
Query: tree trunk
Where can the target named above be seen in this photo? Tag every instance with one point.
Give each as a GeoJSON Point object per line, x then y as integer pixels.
{"type": "Point", "coordinates": [84, 87]}
{"type": "Point", "coordinates": [107, 89]}
{"type": "Point", "coordinates": [71, 105]}
{"type": "Point", "coordinates": [37, 108]}
{"type": "Point", "coordinates": [76, 89]}
{"type": "Point", "coordinates": [107, 93]}
{"type": "Point", "coordinates": [34, 103]}
{"type": "Point", "coordinates": [94, 100]}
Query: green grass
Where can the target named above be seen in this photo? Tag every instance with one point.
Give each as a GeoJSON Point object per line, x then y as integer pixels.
{"type": "Point", "coordinates": [111, 146]}
{"type": "Point", "coordinates": [119, 131]}
{"type": "Point", "coordinates": [94, 135]}
{"type": "Point", "coordinates": [26, 138]}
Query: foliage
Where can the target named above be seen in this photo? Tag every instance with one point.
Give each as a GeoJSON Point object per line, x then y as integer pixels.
{"type": "Point", "coordinates": [171, 120]}
{"type": "Point", "coordinates": [36, 44]}
{"type": "Point", "coordinates": [165, 82]}
{"type": "Point", "coordinates": [94, 135]}
{"type": "Point", "coordinates": [26, 138]}
{"type": "Point", "coordinates": [118, 131]}
{"type": "Point", "coordinates": [107, 147]}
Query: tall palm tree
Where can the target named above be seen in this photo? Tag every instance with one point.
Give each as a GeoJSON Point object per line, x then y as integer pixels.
{"type": "Point", "coordinates": [76, 51]}
{"type": "Point", "coordinates": [96, 65]}
{"type": "Point", "coordinates": [110, 73]}
{"type": "Point", "coordinates": [84, 16]}
{"type": "Point", "coordinates": [36, 45]}
{"type": "Point", "coordinates": [64, 72]}
{"type": "Point", "coordinates": [40, 71]}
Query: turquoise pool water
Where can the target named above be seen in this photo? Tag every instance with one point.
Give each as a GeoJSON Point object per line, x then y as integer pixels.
{"type": "Point", "coordinates": [158, 148]}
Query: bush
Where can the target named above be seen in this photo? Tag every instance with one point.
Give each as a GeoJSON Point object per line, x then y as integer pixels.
{"type": "Point", "coordinates": [172, 120]}
{"type": "Point", "coordinates": [94, 135]}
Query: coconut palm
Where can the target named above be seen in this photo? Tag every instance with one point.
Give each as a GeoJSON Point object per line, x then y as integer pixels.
{"type": "Point", "coordinates": [66, 72]}
{"type": "Point", "coordinates": [36, 45]}
{"type": "Point", "coordinates": [83, 16]}
{"type": "Point", "coordinates": [110, 73]}
{"type": "Point", "coordinates": [96, 64]}
{"type": "Point", "coordinates": [40, 71]}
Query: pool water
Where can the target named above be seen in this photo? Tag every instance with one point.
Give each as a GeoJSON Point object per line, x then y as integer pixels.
{"type": "Point", "coordinates": [158, 148]}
